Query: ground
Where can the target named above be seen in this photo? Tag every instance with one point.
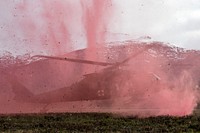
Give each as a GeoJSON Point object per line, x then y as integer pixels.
{"type": "Point", "coordinates": [97, 122]}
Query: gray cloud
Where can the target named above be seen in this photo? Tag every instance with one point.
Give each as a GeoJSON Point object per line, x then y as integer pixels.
{"type": "Point", "coordinates": [176, 22]}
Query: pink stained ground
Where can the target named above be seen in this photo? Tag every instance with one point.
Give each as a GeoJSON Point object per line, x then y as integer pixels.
{"type": "Point", "coordinates": [164, 82]}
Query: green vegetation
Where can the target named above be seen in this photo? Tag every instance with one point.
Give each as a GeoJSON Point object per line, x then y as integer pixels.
{"type": "Point", "coordinates": [97, 122]}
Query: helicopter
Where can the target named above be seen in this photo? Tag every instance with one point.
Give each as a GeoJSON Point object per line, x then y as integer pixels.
{"type": "Point", "coordinates": [103, 85]}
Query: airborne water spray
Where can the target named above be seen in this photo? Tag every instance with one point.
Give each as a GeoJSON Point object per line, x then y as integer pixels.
{"type": "Point", "coordinates": [154, 86]}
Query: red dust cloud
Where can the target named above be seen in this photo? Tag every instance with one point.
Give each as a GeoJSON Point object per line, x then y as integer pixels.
{"type": "Point", "coordinates": [128, 78]}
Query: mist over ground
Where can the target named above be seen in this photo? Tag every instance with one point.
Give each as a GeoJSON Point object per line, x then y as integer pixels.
{"type": "Point", "coordinates": [160, 79]}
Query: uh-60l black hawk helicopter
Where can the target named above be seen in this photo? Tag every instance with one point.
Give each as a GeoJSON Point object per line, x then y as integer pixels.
{"type": "Point", "coordinates": [102, 85]}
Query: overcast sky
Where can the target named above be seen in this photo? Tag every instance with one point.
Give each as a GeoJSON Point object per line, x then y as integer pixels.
{"type": "Point", "coordinates": [171, 21]}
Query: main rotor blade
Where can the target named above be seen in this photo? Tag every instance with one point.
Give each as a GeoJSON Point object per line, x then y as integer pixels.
{"type": "Point", "coordinates": [94, 62]}
{"type": "Point", "coordinates": [132, 56]}
{"type": "Point", "coordinates": [136, 54]}
{"type": "Point", "coordinates": [75, 60]}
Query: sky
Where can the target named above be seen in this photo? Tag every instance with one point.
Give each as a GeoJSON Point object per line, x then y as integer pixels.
{"type": "Point", "coordinates": [171, 21]}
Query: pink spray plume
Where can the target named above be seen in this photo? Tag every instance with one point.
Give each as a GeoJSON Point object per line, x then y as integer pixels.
{"type": "Point", "coordinates": [154, 85]}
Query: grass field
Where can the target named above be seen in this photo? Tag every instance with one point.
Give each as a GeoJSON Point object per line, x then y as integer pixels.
{"type": "Point", "coordinates": [97, 122]}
